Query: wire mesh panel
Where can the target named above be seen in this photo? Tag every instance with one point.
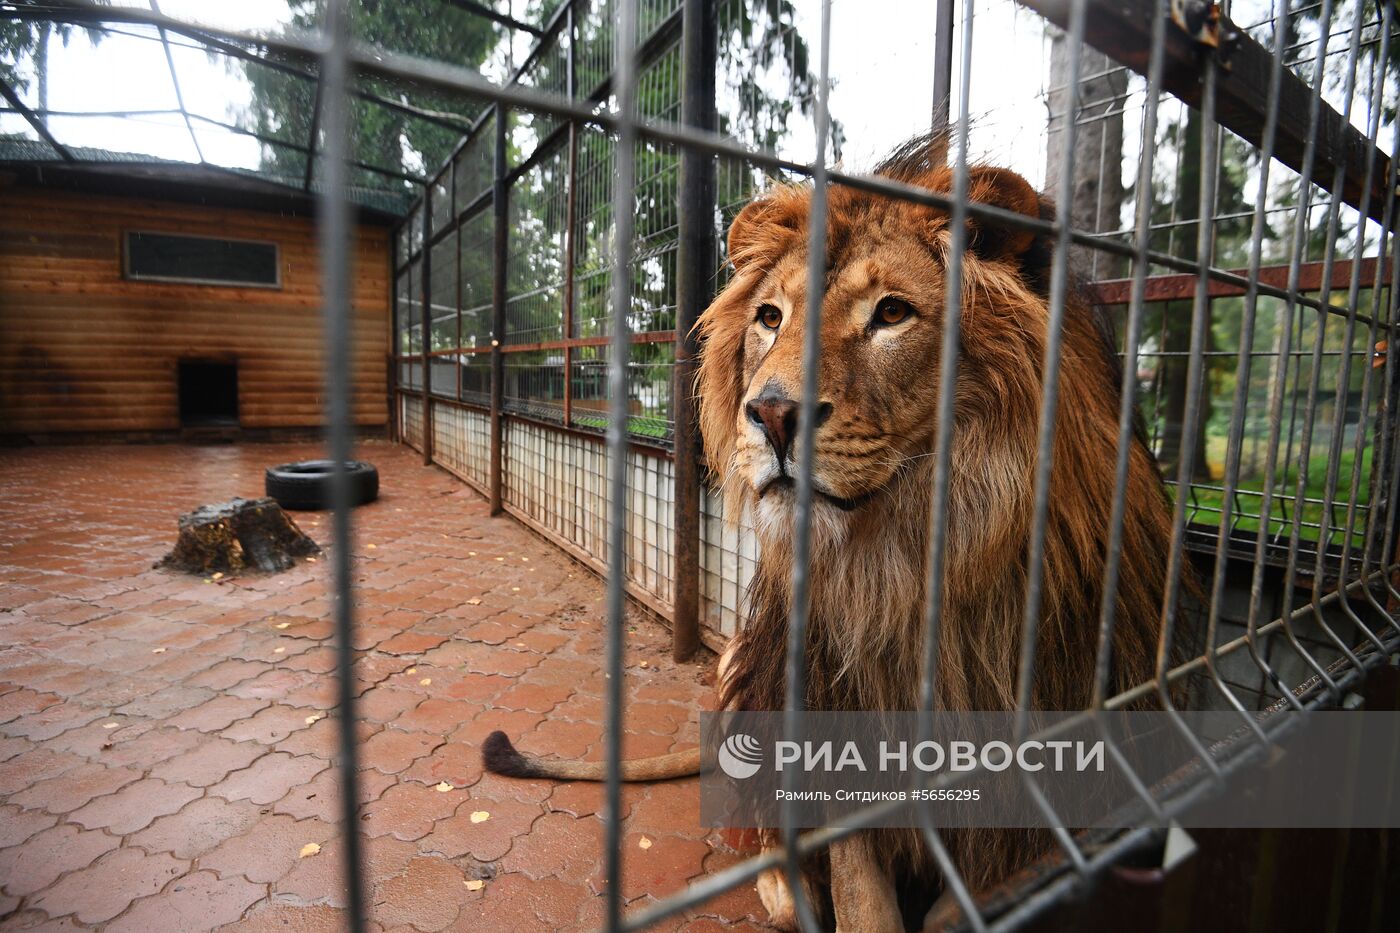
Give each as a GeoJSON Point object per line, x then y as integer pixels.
{"type": "Point", "coordinates": [1228, 194]}
{"type": "Point", "coordinates": [728, 553]}
{"type": "Point", "coordinates": [1242, 269]}
{"type": "Point", "coordinates": [557, 480]}
{"type": "Point", "coordinates": [462, 443]}
{"type": "Point", "coordinates": [411, 420]}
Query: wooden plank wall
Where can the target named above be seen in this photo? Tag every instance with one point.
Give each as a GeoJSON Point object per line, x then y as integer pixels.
{"type": "Point", "coordinates": [84, 350]}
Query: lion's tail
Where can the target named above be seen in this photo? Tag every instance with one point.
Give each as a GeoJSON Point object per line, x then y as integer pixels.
{"type": "Point", "coordinates": [501, 757]}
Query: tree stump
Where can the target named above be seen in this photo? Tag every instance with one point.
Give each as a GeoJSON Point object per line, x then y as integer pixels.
{"type": "Point", "coordinates": [242, 533]}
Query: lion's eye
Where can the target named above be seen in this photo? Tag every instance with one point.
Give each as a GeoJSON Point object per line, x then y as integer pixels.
{"type": "Point", "coordinates": [770, 317]}
{"type": "Point", "coordinates": [891, 311]}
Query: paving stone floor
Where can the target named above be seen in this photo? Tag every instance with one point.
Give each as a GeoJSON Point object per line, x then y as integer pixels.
{"type": "Point", "coordinates": [166, 740]}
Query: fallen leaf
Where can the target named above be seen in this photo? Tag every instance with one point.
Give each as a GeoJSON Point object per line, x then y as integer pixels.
{"type": "Point", "coordinates": [443, 787]}
{"type": "Point", "coordinates": [283, 624]}
{"type": "Point", "coordinates": [312, 719]}
{"type": "Point", "coordinates": [311, 848]}
{"type": "Point", "coordinates": [474, 601]}
{"type": "Point", "coordinates": [218, 576]}
{"type": "Point", "coordinates": [480, 816]}
{"type": "Point", "coordinates": [411, 670]}
{"type": "Point", "coordinates": [425, 681]}
{"type": "Point", "coordinates": [157, 651]}
{"type": "Point", "coordinates": [476, 884]}
{"type": "Point", "coordinates": [110, 725]}
{"type": "Point", "coordinates": [644, 664]}
{"type": "Point", "coordinates": [644, 843]}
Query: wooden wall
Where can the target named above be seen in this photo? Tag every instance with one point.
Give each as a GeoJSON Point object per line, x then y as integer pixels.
{"type": "Point", "coordinates": [84, 350]}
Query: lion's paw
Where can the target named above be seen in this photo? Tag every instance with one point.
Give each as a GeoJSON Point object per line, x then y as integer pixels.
{"type": "Point", "coordinates": [776, 896]}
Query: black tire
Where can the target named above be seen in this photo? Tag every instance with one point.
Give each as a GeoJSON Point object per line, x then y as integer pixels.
{"type": "Point", "coordinates": [307, 485]}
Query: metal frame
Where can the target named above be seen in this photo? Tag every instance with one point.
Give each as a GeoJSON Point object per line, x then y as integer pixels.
{"type": "Point", "coordinates": [1236, 84]}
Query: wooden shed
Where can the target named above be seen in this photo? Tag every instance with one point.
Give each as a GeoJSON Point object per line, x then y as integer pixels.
{"type": "Point", "coordinates": [162, 300]}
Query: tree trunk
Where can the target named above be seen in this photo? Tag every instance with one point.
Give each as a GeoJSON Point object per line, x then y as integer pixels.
{"type": "Point", "coordinates": [1096, 202]}
{"type": "Point", "coordinates": [1177, 342]}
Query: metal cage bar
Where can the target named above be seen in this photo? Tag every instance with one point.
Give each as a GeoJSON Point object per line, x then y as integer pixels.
{"type": "Point", "coordinates": [1262, 102]}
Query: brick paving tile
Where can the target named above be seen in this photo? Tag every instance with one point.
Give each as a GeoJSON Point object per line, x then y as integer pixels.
{"type": "Point", "coordinates": [392, 750]}
{"type": "Point", "coordinates": [209, 762]}
{"type": "Point", "coordinates": [145, 749]}
{"type": "Point", "coordinates": [134, 806]}
{"type": "Point", "coordinates": [320, 797]}
{"type": "Point", "coordinates": [282, 918]}
{"type": "Point", "coordinates": [271, 725]}
{"type": "Point", "coordinates": [269, 778]}
{"type": "Point", "coordinates": [21, 702]}
{"type": "Point", "coordinates": [456, 763]}
{"type": "Point", "coordinates": [268, 850]}
{"type": "Point", "coordinates": [485, 839]}
{"type": "Point", "coordinates": [50, 722]}
{"type": "Point", "coordinates": [428, 895]}
{"type": "Point", "coordinates": [17, 825]}
{"type": "Point", "coordinates": [385, 704]}
{"type": "Point", "coordinates": [10, 747]}
{"type": "Point", "coordinates": [190, 811]}
{"type": "Point", "coordinates": [198, 901]}
{"type": "Point", "coordinates": [517, 903]}
{"type": "Point", "coordinates": [37, 920]}
{"type": "Point", "coordinates": [408, 811]}
{"type": "Point", "coordinates": [660, 869]}
{"type": "Point", "coordinates": [320, 879]}
{"type": "Point", "coordinates": [411, 643]}
{"type": "Point", "coordinates": [436, 716]}
{"type": "Point", "coordinates": [104, 889]}
{"type": "Point", "coordinates": [321, 737]}
{"type": "Point", "coordinates": [276, 684]}
{"type": "Point", "coordinates": [74, 788]}
{"type": "Point", "coordinates": [219, 713]}
{"type": "Point", "coordinates": [198, 827]}
{"type": "Point", "coordinates": [45, 856]}
{"type": "Point", "coordinates": [559, 846]}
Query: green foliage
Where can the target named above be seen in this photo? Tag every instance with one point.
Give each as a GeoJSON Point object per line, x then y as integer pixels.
{"type": "Point", "coordinates": [282, 104]}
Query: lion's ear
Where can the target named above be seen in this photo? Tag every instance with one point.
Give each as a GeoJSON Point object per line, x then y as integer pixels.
{"type": "Point", "coordinates": [1000, 187]}
{"type": "Point", "coordinates": [767, 226]}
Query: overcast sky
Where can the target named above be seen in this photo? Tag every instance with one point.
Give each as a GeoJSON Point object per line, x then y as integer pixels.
{"type": "Point", "coordinates": [881, 55]}
{"type": "Point", "coordinates": [881, 65]}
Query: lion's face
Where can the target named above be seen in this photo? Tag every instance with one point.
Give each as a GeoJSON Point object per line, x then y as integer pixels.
{"type": "Point", "coordinates": [881, 333]}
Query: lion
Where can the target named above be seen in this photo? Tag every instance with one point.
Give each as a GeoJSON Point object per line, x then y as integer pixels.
{"type": "Point", "coordinates": [872, 473]}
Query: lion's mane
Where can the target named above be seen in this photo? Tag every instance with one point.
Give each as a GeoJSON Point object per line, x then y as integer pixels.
{"type": "Point", "coordinates": [868, 588]}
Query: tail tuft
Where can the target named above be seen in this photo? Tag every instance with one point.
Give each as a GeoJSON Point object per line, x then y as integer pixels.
{"type": "Point", "coordinates": [500, 757]}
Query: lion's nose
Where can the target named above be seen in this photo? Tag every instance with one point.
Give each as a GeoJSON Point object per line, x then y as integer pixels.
{"type": "Point", "coordinates": [776, 416]}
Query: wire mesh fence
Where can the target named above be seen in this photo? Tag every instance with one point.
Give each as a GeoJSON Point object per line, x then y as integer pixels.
{"type": "Point", "coordinates": [1227, 190]}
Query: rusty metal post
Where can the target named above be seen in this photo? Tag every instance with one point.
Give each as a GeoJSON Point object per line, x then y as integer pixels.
{"type": "Point", "coordinates": [696, 259]}
{"type": "Point", "coordinates": [427, 318]}
{"type": "Point", "coordinates": [500, 234]}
